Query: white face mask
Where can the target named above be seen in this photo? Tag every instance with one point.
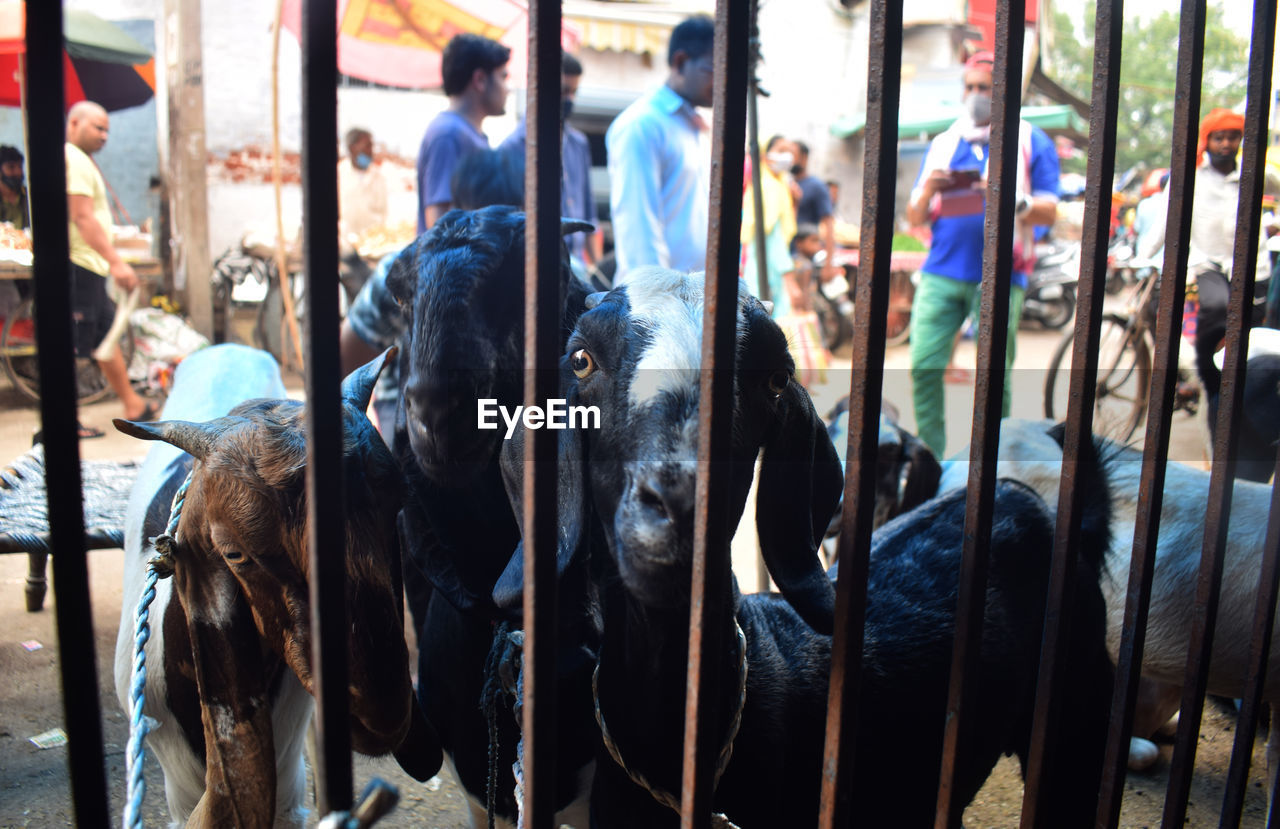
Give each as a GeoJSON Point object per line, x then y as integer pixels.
{"type": "Point", "coordinates": [979, 107]}
{"type": "Point", "coordinates": [780, 162]}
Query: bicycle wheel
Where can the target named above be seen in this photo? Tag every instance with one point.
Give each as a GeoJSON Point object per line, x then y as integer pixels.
{"type": "Point", "coordinates": [18, 351]}
{"type": "Point", "coordinates": [1124, 379]}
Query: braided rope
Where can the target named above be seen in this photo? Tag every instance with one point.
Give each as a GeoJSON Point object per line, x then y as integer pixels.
{"type": "Point", "coordinates": [666, 798]}
{"type": "Point", "coordinates": [159, 566]}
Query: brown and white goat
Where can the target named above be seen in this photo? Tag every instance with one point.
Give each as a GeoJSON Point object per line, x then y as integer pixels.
{"type": "Point", "coordinates": [229, 660]}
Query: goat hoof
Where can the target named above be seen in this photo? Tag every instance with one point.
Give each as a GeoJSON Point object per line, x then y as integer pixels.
{"type": "Point", "coordinates": [1143, 754]}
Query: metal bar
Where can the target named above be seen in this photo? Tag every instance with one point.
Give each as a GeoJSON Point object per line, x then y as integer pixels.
{"type": "Point", "coordinates": [1264, 615]}
{"type": "Point", "coordinates": [884, 82]}
{"type": "Point", "coordinates": [541, 382]}
{"type": "Point", "coordinates": [1108, 24]}
{"type": "Point", "coordinates": [1159, 409]}
{"type": "Point", "coordinates": [1222, 475]}
{"type": "Point", "coordinates": [993, 324]}
{"type": "Point", "coordinates": [56, 361]}
{"type": "Point", "coordinates": [757, 161]}
{"type": "Point", "coordinates": [712, 527]}
{"type": "Point", "coordinates": [1261, 58]}
{"type": "Point", "coordinates": [325, 518]}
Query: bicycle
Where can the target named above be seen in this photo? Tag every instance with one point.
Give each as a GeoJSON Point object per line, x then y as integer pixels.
{"type": "Point", "coordinates": [1125, 348]}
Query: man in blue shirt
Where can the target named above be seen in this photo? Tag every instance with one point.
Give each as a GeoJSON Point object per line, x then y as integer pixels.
{"type": "Point", "coordinates": [949, 193]}
{"type": "Point", "coordinates": [474, 71]}
{"type": "Point", "coordinates": [576, 201]}
{"type": "Point", "coordinates": [659, 165]}
{"type": "Point", "coordinates": [813, 207]}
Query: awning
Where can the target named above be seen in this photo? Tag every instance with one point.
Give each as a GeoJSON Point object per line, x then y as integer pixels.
{"type": "Point", "coordinates": [1060, 118]}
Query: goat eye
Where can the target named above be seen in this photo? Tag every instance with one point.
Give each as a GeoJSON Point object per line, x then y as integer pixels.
{"type": "Point", "coordinates": [582, 363]}
{"type": "Point", "coordinates": [778, 382]}
{"type": "Point", "coordinates": [235, 557]}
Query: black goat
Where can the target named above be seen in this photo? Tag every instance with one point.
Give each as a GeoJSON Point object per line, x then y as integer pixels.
{"type": "Point", "coordinates": [463, 285]}
{"type": "Point", "coordinates": [636, 355]}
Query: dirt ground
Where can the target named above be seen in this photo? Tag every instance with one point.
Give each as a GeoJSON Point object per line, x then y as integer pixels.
{"type": "Point", "coordinates": [34, 785]}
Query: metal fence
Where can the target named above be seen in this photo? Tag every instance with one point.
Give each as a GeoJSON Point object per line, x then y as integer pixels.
{"type": "Point", "coordinates": [733, 27]}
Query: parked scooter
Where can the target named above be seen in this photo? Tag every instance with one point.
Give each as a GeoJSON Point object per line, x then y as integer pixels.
{"type": "Point", "coordinates": [1051, 287]}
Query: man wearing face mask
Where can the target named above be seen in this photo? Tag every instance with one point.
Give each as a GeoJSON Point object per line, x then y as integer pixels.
{"type": "Point", "coordinates": [779, 225]}
{"type": "Point", "coordinates": [576, 201]}
{"type": "Point", "coordinates": [660, 162]}
{"type": "Point", "coordinates": [13, 192]}
{"type": "Point", "coordinates": [362, 188]}
{"type": "Point", "coordinates": [949, 194]}
{"type": "Point", "coordinates": [1213, 233]}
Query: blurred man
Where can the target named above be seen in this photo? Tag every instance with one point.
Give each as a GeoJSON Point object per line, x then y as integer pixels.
{"type": "Point", "coordinates": [93, 258]}
{"type": "Point", "coordinates": [950, 195]}
{"type": "Point", "coordinates": [13, 190]}
{"type": "Point", "coordinates": [659, 164]}
{"type": "Point", "coordinates": [362, 188]}
{"type": "Point", "coordinates": [474, 70]}
{"type": "Point", "coordinates": [814, 206]}
{"type": "Point", "coordinates": [576, 201]}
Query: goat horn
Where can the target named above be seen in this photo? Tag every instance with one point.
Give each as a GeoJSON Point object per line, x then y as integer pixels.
{"type": "Point", "coordinates": [568, 226]}
{"type": "Point", "coordinates": [194, 438]}
{"type": "Point", "coordinates": [357, 389]}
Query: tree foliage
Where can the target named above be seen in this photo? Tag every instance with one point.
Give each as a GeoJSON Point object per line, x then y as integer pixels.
{"type": "Point", "coordinates": [1148, 72]}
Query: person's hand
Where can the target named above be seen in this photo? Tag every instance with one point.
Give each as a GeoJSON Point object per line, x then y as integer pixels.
{"type": "Point", "coordinates": [936, 181]}
{"type": "Point", "coordinates": [125, 278]}
{"type": "Point", "coordinates": [830, 272]}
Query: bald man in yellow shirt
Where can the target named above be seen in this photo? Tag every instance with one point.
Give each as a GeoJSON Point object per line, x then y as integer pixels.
{"type": "Point", "coordinates": [94, 259]}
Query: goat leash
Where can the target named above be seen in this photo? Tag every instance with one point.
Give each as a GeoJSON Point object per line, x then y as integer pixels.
{"type": "Point", "coordinates": [160, 566]}
{"type": "Point", "coordinates": [666, 798]}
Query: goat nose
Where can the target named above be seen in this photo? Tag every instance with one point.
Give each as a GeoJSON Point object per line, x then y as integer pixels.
{"type": "Point", "coordinates": [662, 497]}
{"type": "Point", "coordinates": [427, 403]}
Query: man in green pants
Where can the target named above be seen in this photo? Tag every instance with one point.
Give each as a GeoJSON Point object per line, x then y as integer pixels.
{"type": "Point", "coordinates": [949, 194]}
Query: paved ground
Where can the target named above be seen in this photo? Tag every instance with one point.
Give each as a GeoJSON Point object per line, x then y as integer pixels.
{"type": "Point", "coordinates": [33, 782]}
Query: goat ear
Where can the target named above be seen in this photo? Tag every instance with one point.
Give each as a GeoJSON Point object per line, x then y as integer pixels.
{"type": "Point", "coordinates": [800, 484]}
{"type": "Point", "coordinates": [193, 438]}
{"type": "Point", "coordinates": [921, 474]}
{"type": "Point", "coordinates": [571, 496]}
{"type": "Point", "coordinates": [357, 389]}
{"type": "Point", "coordinates": [402, 274]}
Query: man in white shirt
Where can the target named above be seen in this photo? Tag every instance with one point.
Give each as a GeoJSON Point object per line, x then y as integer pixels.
{"type": "Point", "coordinates": [362, 188]}
{"type": "Point", "coordinates": [659, 164]}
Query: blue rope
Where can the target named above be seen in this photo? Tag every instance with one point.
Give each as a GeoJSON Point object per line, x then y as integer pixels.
{"type": "Point", "coordinates": [160, 566]}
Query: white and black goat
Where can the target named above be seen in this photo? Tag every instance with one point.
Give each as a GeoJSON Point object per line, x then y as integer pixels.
{"type": "Point", "coordinates": [636, 355]}
{"type": "Point", "coordinates": [229, 658]}
{"type": "Point", "coordinates": [462, 284]}
{"type": "Point", "coordinates": [1029, 454]}
{"type": "Point", "coordinates": [1258, 437]}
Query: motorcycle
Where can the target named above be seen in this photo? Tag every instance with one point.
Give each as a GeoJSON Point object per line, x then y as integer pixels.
{"type": "Point", "coordinates": [1051, 288]}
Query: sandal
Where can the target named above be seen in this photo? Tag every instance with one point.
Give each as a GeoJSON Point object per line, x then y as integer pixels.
{"type": "Point", "coordinates": [88, 432]}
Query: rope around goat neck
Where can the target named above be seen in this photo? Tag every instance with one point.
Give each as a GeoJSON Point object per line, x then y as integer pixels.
{"type": "Point", "coordinates": [666, 798]}
{"type": "Point", "coordinates": [160, 566]}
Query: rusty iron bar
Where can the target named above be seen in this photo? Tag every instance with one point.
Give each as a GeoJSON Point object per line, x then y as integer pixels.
{"type": "Point", "coordinates": [712, 526]}
{"type": "Point", "coordinates": [884, 82]}
{"type": "Point", "coordinates": [1159, 412]}
{"type": "Point", "coordinates": [543, 302]}
{"type": "Point", "coordinates": [1261, 57]}
{"type": "Point", "coordinates": [325, 518]}
{"type": "Point", "coordinates": [56, 362]}
{"type": "Point", "coordinates": [1226, 430]}
{"type": "Point", "coordinates": [1055, 650]}
{"type": "Point", "coordinates": [993, 324]}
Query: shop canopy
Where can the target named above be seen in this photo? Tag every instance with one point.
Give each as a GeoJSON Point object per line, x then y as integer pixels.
{"type": "Point", "coordinates": [1052, 119]}
{"type": "Point", "coordinates": [101, 61]}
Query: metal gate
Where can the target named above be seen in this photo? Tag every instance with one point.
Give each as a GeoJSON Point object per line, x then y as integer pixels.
{"type": "Point", "coordinates": [733, 32]}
